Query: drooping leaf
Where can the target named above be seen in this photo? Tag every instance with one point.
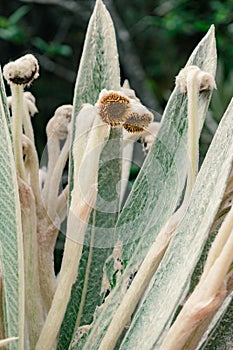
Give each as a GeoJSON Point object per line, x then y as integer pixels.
{"type": "Point", "coordinates": [174, 274]}
{"type": "Point", "coordinates": [99, 68]}
{"type": "Point", "coordinates": [11, 241]}
{"type": "Point", "coordinates": [155, 194]}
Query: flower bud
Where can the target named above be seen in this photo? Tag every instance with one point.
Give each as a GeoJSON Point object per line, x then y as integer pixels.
{"type": "Point", "coordinates": [58, 124]}
{"type": "Point", "coordinates": [204, 80]}
{"type": "Point", "coordinates": [22, 71]}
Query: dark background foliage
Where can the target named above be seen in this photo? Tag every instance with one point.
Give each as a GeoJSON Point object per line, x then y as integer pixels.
{"type": "Point", "coordinates": [154, 37]}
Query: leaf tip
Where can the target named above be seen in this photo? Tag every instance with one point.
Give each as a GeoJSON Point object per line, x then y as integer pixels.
{"type": "Point", "coordinates": [211, 31]}
{"type": "Point", "coordinates": [99, 3]}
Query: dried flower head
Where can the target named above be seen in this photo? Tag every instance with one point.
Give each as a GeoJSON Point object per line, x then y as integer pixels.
{"type": "Point", "coordinates": [138, 119]}
{"type": "Point", "coordinates": [22, 71]}
{"type": "Point", "coordinates": [59, 123]}
{"type": "Point", "coordinates": [137, 122]}
{"type": "Point", "coordinates": [113, 107]}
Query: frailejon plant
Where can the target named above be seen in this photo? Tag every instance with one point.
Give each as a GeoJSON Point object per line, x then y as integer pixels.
{"type": "Point", "coordinates": [152, 271]}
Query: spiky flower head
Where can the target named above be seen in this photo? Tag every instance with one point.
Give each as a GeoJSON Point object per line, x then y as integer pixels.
{"type": "Point", "coordinates": [137, 122]}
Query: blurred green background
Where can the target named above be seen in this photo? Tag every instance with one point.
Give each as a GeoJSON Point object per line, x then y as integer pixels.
{"type": "Point", "coordinates": [154, 38]}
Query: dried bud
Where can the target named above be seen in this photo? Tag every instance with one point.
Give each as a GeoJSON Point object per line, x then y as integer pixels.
{"type": "Point", "coordinates": [29, 96]}
{"type": "Point", "coordinates": [22, 71]}
{"type": "Point", "coordinates": [30, 102]}
{"type": "Point", "coordinates": [59, 123]}
{"type": "Point", "coordinates": [113, 107]}
{"type": "Point", "coordinates": [204, 80]}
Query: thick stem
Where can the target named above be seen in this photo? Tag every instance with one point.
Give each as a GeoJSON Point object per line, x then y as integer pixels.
{"type": "Point", "coordinates": [34, 309]}
{"type": "Point", "coordinates": [17, 112]}
{"type": "Point", "coordinates": [193, 131]}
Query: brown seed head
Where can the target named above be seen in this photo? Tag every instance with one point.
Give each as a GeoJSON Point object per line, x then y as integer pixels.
{"type": "Point", "coordinates": [113, 108]}
{"type": "Point", "coordinates": [137, 122]}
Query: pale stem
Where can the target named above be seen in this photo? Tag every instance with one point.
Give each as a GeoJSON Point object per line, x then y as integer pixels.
{"type": "Point", "coordinates": [17, 112]}
{"type": "Point", "coordinates": [196, 336]}
{"type": "Point", "coordinates": [219, 242]}
{"type": "Point", "coordinates": [193, 131]}
{"type": "Point", "coordinates": [85, 285]}
{"type": "Point", "coordinates": [32, 165]}
{"type": "Point", "coordinates": [6, 341]}
{"type": "Point", "coordinates": [34, 310]}
{"type": "Point", "coordinates": [27, 122]}
{"type": "Point", "coordinates": [127, 156]}
{"type": "Point", "coordinates": [53, 147]}
{"type": "Point", "coordinates": [56, 179]}
{"type": "Point", "coordinates": [62, 204]}
{"type": "Point", "coordinates": [47, 233]}
{"type": "Point", "coordinates": [82, 201]}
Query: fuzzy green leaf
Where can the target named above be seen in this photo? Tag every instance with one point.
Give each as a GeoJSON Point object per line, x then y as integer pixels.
{"type": "Point", "coordinates": [174, 274]}
{"type": "Point", "coordinates": [99, 68]}
{"type": "Point", "coordinates": [155, 194]}
{"type": "Point", "coordinates": [11, 240]}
